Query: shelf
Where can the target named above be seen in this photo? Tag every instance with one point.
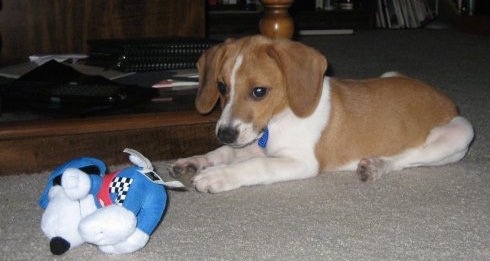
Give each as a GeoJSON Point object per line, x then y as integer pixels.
{"type": "Point", "coordinates": [247, 22]}
{"type": "Point", "coordinates": [335, 19]}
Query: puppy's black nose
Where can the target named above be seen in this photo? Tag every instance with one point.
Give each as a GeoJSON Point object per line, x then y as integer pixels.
{"type": "Point", "coordinates": [227, 135]}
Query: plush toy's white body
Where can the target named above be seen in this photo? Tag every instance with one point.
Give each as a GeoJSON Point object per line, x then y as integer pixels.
{"type": "Point", "coordinates": [61, 218]}
{"type": "Point", "coordinates": [73, 215]}
{"type": "Point", "coordinates": [116, 212]}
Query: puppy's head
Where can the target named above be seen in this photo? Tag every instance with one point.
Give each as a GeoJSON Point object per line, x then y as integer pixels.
{"type": "Point", "coordinates": [255, 78]}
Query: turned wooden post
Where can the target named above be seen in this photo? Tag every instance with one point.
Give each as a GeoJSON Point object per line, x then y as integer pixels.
{"type": "Point", "coordinates": [276, 21]}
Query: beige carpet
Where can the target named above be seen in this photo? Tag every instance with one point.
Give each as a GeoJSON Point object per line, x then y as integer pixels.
{"type": "Point", "coordinates": [437, 213]}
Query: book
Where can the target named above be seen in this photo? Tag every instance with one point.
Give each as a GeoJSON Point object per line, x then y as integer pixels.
{"type": "Point", "coordinates": [401, 14]}
{"type": "Point", "coordinates": [182, 80]}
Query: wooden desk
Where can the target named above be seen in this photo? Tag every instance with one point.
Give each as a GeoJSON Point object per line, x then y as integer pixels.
{"type": "Point", "coordinates": [62, 26]}
{"type": "Point", "coordinates": [29, 147]}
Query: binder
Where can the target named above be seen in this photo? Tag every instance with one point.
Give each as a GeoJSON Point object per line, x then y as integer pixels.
{"type": "Point", "coordinates": [147, 54]}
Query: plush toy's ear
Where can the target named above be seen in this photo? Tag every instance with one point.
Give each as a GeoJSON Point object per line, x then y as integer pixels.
{"type": "Point", "coordinates": [303, 69]}
{"type": "Point", "coordinates": [208, 66]}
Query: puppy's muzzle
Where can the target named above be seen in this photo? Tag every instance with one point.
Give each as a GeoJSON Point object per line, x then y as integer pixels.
{"type": "Point", "coordinates": [227, 135]}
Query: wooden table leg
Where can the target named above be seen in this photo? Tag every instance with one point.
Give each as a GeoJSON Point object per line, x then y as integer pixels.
{"type": "Point", "coordinates": [276, 21]}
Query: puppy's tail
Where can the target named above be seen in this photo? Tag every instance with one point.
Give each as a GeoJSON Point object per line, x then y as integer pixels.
{"type": "Point", "coordinates": [391, 74]}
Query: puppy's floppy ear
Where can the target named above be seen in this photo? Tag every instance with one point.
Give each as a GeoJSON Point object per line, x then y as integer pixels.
{"type": "Point", "coordinates": [303, 69]}
{"type": "Point", "coordinates": [208, 66]}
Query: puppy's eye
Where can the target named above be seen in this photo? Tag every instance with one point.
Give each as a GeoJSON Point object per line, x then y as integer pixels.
{"type": "Point", "coordinates": [259, 92]}
{"type": "Point", "coordinates": [222, 88]}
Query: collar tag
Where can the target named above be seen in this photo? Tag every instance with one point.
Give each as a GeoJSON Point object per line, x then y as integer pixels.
{"type": "Point", "coordinates": [264, 138]}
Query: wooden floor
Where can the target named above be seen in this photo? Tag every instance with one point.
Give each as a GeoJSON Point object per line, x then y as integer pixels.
{"type": "Point", "coordinates": [36, 146]}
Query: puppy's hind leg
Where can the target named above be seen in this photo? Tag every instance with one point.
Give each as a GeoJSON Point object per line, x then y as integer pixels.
{"type": "Point", "coordinates": [445, 144]}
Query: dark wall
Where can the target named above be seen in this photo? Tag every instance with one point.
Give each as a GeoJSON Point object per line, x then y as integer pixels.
{"type": "Point", "coordinates": [63, 26]}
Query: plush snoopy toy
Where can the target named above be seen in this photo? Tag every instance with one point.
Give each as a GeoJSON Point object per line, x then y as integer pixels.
{"type": "Point", "coordinates": [117, 211]}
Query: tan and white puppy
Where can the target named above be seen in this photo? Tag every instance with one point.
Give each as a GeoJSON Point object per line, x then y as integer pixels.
{"type": "Point", "coordinates": [314, 123]}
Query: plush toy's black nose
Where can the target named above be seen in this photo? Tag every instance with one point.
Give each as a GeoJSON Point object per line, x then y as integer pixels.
{"type": "Point", "coordinates": [227, 135]}
{"type": "Point", "coordinates": [59, 245]}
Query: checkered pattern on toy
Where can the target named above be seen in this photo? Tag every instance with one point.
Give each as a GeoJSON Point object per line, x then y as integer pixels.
{"type": "Point", "coordinates": [120, 185]}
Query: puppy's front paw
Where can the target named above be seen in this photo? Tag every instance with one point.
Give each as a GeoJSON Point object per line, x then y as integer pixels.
{"type": "Point", "coordinates": [193, 164]}
{"type": "Point", "coordinates": [214, 180]}
{"type": "Point", "coordinates": [183, 173]}
{"type": "Point", "coordinates": [185, 169]}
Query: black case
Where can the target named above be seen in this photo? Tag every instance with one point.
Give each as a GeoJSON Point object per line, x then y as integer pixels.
{"type": "Point", "coordinates": [58, 87]}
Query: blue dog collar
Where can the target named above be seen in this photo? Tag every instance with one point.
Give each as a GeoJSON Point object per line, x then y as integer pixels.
{"type": "Point", "coordinates": [264, 138]}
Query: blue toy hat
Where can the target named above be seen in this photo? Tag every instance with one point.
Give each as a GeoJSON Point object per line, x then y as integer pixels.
{"type": "Point", "coordinates": [87, 164]}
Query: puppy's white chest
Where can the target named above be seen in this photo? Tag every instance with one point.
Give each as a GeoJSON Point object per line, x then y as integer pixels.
{"type": "Point", "coordinates": [289, 133]}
